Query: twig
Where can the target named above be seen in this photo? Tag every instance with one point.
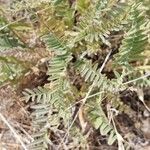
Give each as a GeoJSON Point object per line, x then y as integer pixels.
{"type": "Point", "coordinates": [13, 131]}
{"type": "Point", "coordinates": [142, 77]}
{"type": "Point", "coordinates": [119, 137]}
{"type": "Point", "coordinates": [148, 109]}
{"type": "Point", "coordinates": [105, 61]}
{"type": "Point", "coordinates": [23, 130]}
{"type": "Point", "coordinates": [10, 145]}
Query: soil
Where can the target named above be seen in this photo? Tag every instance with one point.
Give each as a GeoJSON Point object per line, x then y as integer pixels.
{"type": "Point", "coordinates": [133, 124]}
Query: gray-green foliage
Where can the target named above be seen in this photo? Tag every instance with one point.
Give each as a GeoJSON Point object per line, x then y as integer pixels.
{"type": "Point", "coordinates": [68, 33]}
{"type": "Point", "coordinates": [95, 24]}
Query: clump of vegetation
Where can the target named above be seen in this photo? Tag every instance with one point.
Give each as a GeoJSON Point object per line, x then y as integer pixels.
{"type": "Point", "coordinates": [89, 52]}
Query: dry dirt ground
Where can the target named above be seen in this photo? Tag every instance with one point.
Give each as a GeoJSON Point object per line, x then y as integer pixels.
{"type": "Point", "coordinates": [14, 112]}
{"type": "Point", "coordinates": [135, 124]}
